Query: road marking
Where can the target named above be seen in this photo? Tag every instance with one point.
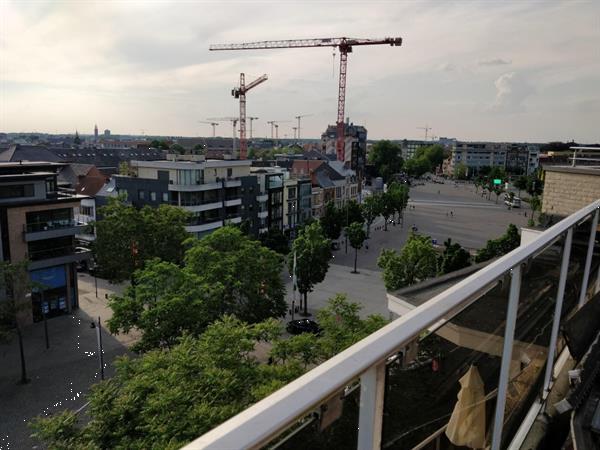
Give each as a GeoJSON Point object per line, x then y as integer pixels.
{"type": "Point", "coordinates": [457, 204]}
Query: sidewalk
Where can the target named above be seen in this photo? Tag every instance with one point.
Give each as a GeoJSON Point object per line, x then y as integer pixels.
{"type": "Point", "coordinates": [60, 376]}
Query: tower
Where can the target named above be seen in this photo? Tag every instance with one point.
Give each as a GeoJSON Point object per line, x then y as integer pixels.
{"type": "Point", "coordinates": [95, 132]}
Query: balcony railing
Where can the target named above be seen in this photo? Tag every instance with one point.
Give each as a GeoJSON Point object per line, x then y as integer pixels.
{"type": "Point", "coordinates": [51, 225]}
{"type": "Point", "coordinates": [503, 318]}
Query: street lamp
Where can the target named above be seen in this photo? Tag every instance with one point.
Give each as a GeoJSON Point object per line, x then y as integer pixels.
{"type": "Point", "coordinates": [99, 342]}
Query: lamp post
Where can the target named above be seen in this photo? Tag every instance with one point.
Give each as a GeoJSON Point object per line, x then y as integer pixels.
{"type": "Point", "coordinates": [99, 342]}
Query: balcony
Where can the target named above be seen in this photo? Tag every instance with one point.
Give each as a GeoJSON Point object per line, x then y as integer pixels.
{"type": "Point", "coordinates": [195, 187]}
{"type": "Point", "coordinates": [56, 256]}
{"type": "Point", "coordinates": [263, 214]}
{"type": "Point", "coordinates": [52, 229]}
{"type": "Point", "coordinates": [262, 198]}
{"type": "Point", "coordinates": [204, 227]}
{"type": "Point", "coordinates": [233, 202]}
{"type": "Point", "coordinates": [203, 206]}
{"type": "Point", "coordinates": [232, 182]}
{"type": "Point", "coordinates": [399, 386]}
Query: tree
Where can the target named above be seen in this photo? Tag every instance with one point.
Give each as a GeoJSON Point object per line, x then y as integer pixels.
{"type": "Point", "coordinates": [155, 144]}
{"type": "Point", "coordinates": [356, 236]}
{"type": "Point", "coordinates": [332, 221]}
{"type": "Point", "coordinates": [312, 250]}
{"type": "Point", "coordinates": [165, 303]}
{"type": "Point", "coordinates": [415, 262]}
{"type": "Point", "coordinates": [453, 258]}
{"type": "Point", "coordinates": [498, 190]}
{"type": "Point", "coordinates": [352, 212]}
{"type": "Point", "coordinates": [460, 171]}
{"type": "Point", "coordinates": [388, 208]}
{"type": "Point", "coordinates": [126, 237]}
{"type": "Point", "coordinates": [535, 186]}
{"type": "Point", "coordinates": [398, 194]}
{"type": "Point", "coordinates": [176, 148]}
{"type": "Point", "coordinates": [247, 274]}
{"type": "Point", "coordinates": [77, 139]}
{"type": "Point", "coordinates": [536, 204]}
{"type": "Point", "coordinates": [13, 288]}
{"type": "Point", "coordinates": [165, 399]}
{"type": "Point", "coordinates": [417, 166]}
{"type": "Point", "coordinates": [521, 183]}
{"type": "Point", "coordinates": [163, 145]}
{"type": "Point", "coordinates": [276, 240]}
{"type": "Point", "coordinates": [501, 246]}
{"type": "Point", "coordinates": [387, 159]}
{"type": "Point", "coordinates": [371, 209]}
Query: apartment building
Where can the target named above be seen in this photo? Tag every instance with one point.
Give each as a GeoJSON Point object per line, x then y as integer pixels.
{"type": "Point", "coordinates": [355, 142]}
{"type": "Point", "coordinates": [297, 203]}
{"type": "Point", "coordinates": [517, 158]}
{"type": "Point", "coordinates": [211, 190]}
{"type": "Point", "coordinates": [37, 225]}
{"type": "Point", "coordinates": [409, 147]}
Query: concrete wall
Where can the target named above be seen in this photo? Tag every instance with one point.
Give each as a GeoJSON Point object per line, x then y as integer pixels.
{"type": "Point", "coordinates": [567, 189]}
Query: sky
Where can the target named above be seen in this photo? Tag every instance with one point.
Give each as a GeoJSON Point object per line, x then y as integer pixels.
{"type": "Point", "coordinates": [501, 71]}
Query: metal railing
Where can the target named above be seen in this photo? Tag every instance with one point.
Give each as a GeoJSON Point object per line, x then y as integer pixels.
{"type": "Point", "coordinates": [366, 360]}
{"type": "Point", "coordinates": [51, 225]}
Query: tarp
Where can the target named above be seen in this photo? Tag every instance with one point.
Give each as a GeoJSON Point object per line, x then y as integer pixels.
{"type": "Point", "coordinates": [467, 423]}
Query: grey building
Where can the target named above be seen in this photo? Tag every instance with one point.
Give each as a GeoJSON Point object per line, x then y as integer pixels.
{"type": "Point", "coordinates": [37, 225]}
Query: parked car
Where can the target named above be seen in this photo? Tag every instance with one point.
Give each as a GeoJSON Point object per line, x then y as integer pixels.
{"type": "Point", "coordinates": [303, 326]}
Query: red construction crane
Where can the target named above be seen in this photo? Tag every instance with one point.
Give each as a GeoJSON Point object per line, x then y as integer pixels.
{"type": "Point", "coordinates": [240, 92]}
{"type": "Point", "coordinates": [345, 46]}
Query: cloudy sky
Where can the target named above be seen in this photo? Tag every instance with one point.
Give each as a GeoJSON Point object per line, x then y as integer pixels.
{"type": "Point", "coordinates": [510, 70]}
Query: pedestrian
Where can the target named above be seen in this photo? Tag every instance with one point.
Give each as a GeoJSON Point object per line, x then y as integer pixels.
{"type": "Point", "coordinates": [451, 213]}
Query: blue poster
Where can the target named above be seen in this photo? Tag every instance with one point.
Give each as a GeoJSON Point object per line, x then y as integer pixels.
{"type": "Point", "coordinates": [52, 277]}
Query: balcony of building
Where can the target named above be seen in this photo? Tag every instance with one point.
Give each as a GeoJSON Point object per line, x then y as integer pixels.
{"type": "Point", "coordinates": [500, 332]}
{"type": "Point", "coordinates": [53, 229]}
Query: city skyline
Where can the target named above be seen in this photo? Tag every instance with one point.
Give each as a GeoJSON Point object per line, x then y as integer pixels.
{"type": "Point", "coordinates": [499, 72]}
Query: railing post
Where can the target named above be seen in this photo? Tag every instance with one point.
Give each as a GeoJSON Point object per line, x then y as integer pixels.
{"type": "Point", "coordinates": [509, 336]}
{"type": "Point", "coordinates": [370, 420]}
{"type": "Point", "coordinates": [588, 260]}
{"type": "Point", "coordinates": [564, 270]}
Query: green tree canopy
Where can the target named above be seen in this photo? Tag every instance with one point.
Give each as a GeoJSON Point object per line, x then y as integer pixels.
{"type": "Point", "coordinates": [332, 221]}
{"type": "Point", "coordinates": [351, 212]}
{"type": "Point", "coordinates": [454, 257]}
{"type": "Point", "coordinates": [165, 302]}
{"type": "Point", "coordinates": [371, 209]}
{"type": "Point", "coordinates": [416, 261]}
{"type": "Point", "coordinates": [166, 398]}
{"type": "Point", "coordinates": [126, 237]}
{"type": "Point", "coordinates": [501, 246]}
{"type": "Point", "coordinates": [460, 171]}
{"type": "Point", "coordinates": [313, 252]}
{"type": "Point", "coordinates": [276, 240]}
{"type": "Point", "coordinates": [248, 274]}
{"type": "Point", "coordinates": [356, 236]}
{"type": "Point", "coordinates": [387, 159]}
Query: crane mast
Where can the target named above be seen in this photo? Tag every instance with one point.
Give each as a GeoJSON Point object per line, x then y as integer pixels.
{"type": "Point", "coordinates": [345, 46]}
{"type": "Point", "coordinates": [241, 94]}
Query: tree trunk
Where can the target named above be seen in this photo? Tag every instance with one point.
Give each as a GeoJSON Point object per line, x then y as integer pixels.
{"type": "Point", "coordinates": [305, 304]}
{"type": "Point", "coordinates": [368, 230]}
{"type": "Point", "coordinates": [24, 379]}
{"type": "Point", "coordinates": [385, 223]}
{"type": "Point", "coordinates": [355, 258]}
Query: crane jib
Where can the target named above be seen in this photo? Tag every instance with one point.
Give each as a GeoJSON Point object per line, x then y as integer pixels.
{"type": "Point", "coordinates": [303, 43]}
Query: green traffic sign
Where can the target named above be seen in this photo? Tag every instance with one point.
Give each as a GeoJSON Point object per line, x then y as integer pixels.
{"type": "Point", "coordinates": [497, 181]}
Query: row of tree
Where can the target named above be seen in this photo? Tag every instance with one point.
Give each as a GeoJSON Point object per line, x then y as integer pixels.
{"type": "Point", "coordinates": [419, 260]}
{"type": "Point", "coordinates": [386, 157]}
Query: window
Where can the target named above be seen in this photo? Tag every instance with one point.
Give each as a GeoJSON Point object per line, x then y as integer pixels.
{"type": "Point", "coordinates": [229, 172]}
{"type": "Point", "coordinates": [153, 196]}
{"type": "Point", "coordinates": [141, 194]}
{"type": "Point", "coordinates": [165, 197]}
{"type": "Point", "coordinates": [87, 210]}
{"type": "Point", "coordinates": [20, 190]}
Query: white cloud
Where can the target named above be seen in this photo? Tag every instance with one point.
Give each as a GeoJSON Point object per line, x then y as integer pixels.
{"type": "Point", "coordinates": [494, 62]}
{"type": "Point", "coordinates": [511, 91]}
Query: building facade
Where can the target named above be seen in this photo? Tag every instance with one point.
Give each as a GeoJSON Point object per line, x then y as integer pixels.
{"type": "Point", "coordinates": [37, 225]}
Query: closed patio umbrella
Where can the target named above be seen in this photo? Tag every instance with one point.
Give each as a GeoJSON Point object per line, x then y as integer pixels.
{"type": "Point", "coordinates": [467, 423]}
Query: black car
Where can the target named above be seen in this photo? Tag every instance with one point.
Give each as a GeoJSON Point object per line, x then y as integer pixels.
{"type": "Point", "coordinates": [303, 326]}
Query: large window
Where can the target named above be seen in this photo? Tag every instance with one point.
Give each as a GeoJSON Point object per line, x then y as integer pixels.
{"type": "Point", "coordinates": [16, 191]}
{"type": "Point", "coordinates": [190, 176]}
{"type": "Point", "coordinates": [49, 219]}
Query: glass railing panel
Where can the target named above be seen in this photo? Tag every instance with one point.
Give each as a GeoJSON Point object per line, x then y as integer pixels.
{"type": "Point", "coordinates": [333, 425]}
{"type": "Point", "coordinates": [581, 235]}
{"type": "Point", "coordinates": [535, 313]}
{"type": "Point", "coordinates": [423, 382]}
